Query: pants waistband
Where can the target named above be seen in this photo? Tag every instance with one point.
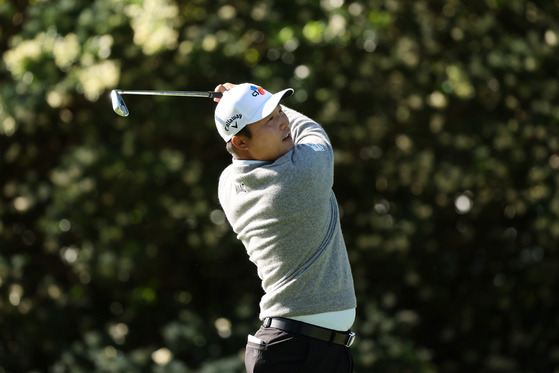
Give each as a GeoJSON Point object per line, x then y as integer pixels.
{"type": "Point", "coordinates": [313, 331]}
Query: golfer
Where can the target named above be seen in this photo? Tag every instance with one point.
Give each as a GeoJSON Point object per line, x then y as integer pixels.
{"type": "Point", "coordinates": [277, 196]}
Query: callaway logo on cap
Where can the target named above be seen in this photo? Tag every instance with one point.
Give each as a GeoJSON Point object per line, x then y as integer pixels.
{"type": "Point", "coordinates": [245, 104]}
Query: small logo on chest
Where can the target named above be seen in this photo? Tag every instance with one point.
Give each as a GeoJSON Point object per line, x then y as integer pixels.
{"type": "Point", "coordinates": [241, 188]}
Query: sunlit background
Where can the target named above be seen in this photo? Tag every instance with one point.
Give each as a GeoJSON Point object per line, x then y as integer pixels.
{"type": "Point", "coordinates": [116, 257]}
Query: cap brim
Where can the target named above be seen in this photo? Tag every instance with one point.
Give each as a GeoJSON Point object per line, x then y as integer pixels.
{"type": "Point", "coordinates": [270, 105]}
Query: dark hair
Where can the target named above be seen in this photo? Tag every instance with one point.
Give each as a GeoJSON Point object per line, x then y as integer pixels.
{"type": "Point", "coordinates": [232, 149]}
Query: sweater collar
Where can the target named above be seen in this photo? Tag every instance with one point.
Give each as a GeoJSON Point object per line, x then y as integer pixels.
{"type": "Point", "coordinates": [244, 162]}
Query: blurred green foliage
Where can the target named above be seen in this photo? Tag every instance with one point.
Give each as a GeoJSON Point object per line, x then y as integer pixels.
{"type": "Point", "coordinates": [116, 257]}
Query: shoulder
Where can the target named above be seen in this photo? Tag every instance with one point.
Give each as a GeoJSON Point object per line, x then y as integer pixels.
{"type": "Point", "coordinates": [313, 147]}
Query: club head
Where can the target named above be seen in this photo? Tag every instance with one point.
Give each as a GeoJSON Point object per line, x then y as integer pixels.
{"type": "Point", "coordinates": [119, 106]}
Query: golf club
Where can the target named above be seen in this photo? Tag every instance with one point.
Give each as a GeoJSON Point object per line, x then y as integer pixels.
{"type": "Point", "coordinates": [120, 108]}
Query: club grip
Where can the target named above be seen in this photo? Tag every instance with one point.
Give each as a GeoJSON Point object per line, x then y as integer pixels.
{"type": "Point", "coordinates": [213, 94]}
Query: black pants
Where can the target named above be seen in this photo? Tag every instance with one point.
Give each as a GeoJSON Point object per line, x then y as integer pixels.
{"type": "Point", "coordinates": [290, 352]}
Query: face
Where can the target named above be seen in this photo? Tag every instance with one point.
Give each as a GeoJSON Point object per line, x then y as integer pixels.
{"type": "Point", "coordinates": [271, 137]}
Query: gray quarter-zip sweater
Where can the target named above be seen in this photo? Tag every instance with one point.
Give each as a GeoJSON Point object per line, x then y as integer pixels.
{"type": "Point", "coordinates": [286, 215]}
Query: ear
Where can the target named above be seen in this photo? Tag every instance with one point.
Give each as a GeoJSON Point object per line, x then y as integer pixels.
{"type": "Point", "coordinates": [239, 142]}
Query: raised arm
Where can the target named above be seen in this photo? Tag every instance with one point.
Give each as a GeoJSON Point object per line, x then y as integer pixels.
{"type": "Point", "coordinates": [305, 130]}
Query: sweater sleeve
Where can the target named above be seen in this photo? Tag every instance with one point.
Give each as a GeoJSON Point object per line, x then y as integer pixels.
{"type": "Point", "coordinates": [305, 130]}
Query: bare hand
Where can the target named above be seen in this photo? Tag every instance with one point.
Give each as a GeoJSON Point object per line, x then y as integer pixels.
{"type": "Point", "coordinates": [222, 88]}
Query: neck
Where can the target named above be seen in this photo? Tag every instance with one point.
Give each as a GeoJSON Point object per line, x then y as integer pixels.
{"type": "Point", "coordinates": [243, 155]}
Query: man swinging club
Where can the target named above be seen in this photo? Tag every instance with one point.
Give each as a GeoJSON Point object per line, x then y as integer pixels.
{"type": "Point", "coordinates": [277, 195]}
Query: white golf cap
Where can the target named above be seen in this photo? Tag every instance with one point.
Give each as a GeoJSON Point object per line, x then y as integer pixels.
{"type": "Point", "coordinates": [244, 104]}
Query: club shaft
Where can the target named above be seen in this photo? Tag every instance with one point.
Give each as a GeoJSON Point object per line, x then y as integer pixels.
{"type": "Point", "coordinates": [209, 94]}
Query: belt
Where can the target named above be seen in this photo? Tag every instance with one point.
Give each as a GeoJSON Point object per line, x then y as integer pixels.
{"type": "Point", "coordinates": [313, 331]}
